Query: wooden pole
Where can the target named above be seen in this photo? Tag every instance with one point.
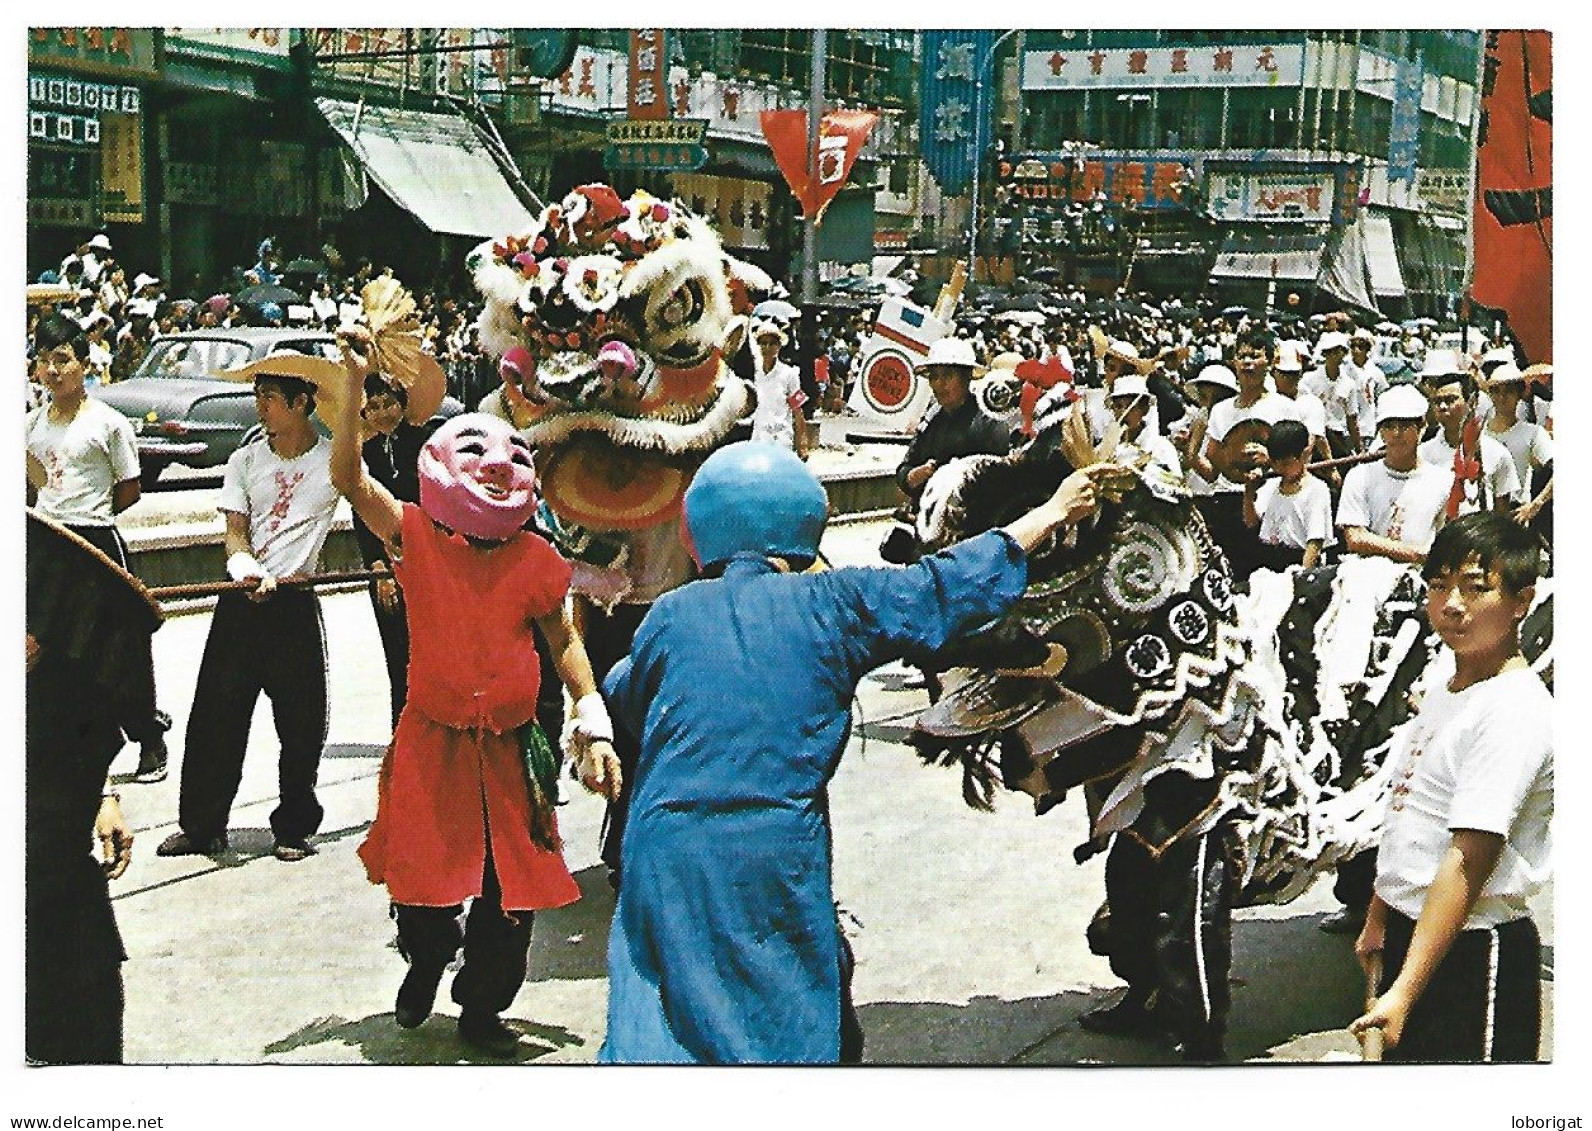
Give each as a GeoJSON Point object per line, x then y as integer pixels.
{"type": "Point", "coordinates": [1371, 1039]}
{"type": "Point", "coordinates": [215, 588]}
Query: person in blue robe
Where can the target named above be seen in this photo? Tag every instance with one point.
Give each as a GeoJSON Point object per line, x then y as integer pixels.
{"type": "Point", "coordinates": [725, 947]}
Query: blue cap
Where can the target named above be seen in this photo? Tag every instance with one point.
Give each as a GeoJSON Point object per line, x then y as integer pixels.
{"type": "Point", "coordinates": [757, 498]}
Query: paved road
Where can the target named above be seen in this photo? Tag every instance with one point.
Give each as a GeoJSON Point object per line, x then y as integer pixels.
{"type": "Point", "coordinates": [969, 937]}
{"type": "Point", "coordinates": [971, 925]}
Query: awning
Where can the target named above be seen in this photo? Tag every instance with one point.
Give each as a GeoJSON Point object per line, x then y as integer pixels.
{"type": "Point", "coordinates": [436, 166]}
{"type": "Point", "coordinates": [1245, 255]}
{"type": "Point", "coordinates": [1381, 255]}
{"type": "Point", "coordinates": [1345, 270]}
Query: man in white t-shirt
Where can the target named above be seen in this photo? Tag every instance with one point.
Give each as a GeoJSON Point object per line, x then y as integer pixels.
{"type": "Point", "coordinates": [777, 417]}
{"type": "Point", "coordinates": [278, 500]}
{"type": "Point", "coordinates": [1369, 377]}
{"type": "Point", "coordinates": [1465, 841]}
{"type": "Point", "coordinates": [83, 472]}
{"type": "Point", "coordinates": [1493, 485]}
{"type": "Point", "coordinates": [1235, 448]}
{"type": "Point", "coordinates": [1335, 384]}
{"type": "Point", "coordinates": [1393, 508]}
{"type": "Point", "coordinates": [1529, 444]}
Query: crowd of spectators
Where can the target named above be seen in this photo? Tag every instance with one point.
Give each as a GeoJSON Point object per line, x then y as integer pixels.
{"type": "Point", "coordinates": [124, 316]}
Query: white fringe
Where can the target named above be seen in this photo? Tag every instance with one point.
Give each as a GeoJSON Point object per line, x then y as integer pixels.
{"type": "Point", "coordinates": [647, 432]}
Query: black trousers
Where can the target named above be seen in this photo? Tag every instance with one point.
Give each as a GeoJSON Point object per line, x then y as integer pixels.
{"type": "Point", "coordinates": [141, 726]}
{"type": "Point", "coordinates": [1483, 1003]}
{"type": "Point", "coordinates": [1356, 880]}
{"type": "Point", "coordinates": [277, 646]}
{"type": "Point", "coordinates": [393, 628]}
{"type": "Point", "coordinates": [607, 637]}
{"type": "Point", "coordinates": [1171, 932]}
{"type": "Point", "coordinates": [497, 945]}
{"type": "Point", "coordinates": [1170, 927]}
{"type": "Point", "coordinates": [74, 1007]}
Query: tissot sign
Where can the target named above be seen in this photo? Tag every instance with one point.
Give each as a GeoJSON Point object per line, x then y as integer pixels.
{"type": "Point", "coordinates": [1249, 65]}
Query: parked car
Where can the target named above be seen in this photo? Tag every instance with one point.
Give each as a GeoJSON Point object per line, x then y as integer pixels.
{"type": "Point", "coordinates": [183, 413]}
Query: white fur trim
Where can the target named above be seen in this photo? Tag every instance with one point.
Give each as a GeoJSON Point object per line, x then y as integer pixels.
{"type": "Point", "coordinates": [647, 432]}
{"type": "Point", "coordinates": [750, 274]}
{"type": "Point", "coordinates": [499, 282]}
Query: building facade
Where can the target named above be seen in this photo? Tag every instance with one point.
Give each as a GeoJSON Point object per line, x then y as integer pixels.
{"type": "Point", "coordinates": [1192, 156]}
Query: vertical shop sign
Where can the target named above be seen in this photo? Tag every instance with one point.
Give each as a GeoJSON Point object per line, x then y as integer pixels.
{"type": "Point", "coordinates": [122, 168]}
{"type": "Point", "coordinates": [648, 99]}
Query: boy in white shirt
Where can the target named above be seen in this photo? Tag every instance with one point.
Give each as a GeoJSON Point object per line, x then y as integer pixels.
{"type": "Point", "coordinates": [1465, 842]}
{"type": "Point", "coordinates": [1491, 486]}
{"type": "Point", "coordinates": [1130, 403]}
{"type": "Point", "coordinates": [1294, 511]}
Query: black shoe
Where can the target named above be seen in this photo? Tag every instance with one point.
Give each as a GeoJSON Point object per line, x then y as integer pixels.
{"type": "Point", "coordinates": [1205, 1049]}
{"type": "Point", "coordinates": [1343, 921]}
{"type": "Point", "coordinates": [486, 1033]}
{"type": "Point", "coordinates": [416, 995]}
{"type": "Point", "coordinates": [181, 844]}
{"type": "Point", "coordinates": [1130, 1017]}
{"type": "Point", "coordinates": [151, 762]}
{"type": "Point", "coordinates": [293, 850]}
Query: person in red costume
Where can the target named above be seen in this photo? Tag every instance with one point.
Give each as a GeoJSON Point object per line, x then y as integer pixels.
{"type": "Point", "coordinates": [464, 803]}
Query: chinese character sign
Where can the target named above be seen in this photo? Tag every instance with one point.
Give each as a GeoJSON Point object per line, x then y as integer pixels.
{"type": "Point", "coordinates": [648, 95]}
{"type": "Point", "coordinates": [1404, 134]}
{"type": "Point", "coordinates": [1257, 65]}
{"type": "Point", "coordinates": [957, 97]}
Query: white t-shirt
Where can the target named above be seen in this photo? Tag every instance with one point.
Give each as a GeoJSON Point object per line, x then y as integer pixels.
{"type": "Point", "coordinates": [1372, 383]}
{"type": "Point", "coordinates": [1497, 472]}
{"type": "Point", "coordinates": [1531, 447]}
{"type": "Point", "coordinates": [1158, 448]}
{"type": "Point", "coordinates": [1295, 520]}
{"type": "Point", "coordinates": [289, 503]}
{"type": "Point", "coordinates": [1225, 416]}
{"type": "Point", "coordinates": [1480, 759]}
{"type": "Point", "coordinates": [1273, 406]}
{"type": "Point", "coordinates": [779, 395]}
{"type": "Point", "coordinates": [1341, 398]}
{"type": "Point", "coordinates": [1098, 406]}
{"type": "Point", "coordinates": [1309, 411]}
{"type": "Point", "coordinates": [1404, 505]}
{"type": "Point", "coordinates": [83, 459]}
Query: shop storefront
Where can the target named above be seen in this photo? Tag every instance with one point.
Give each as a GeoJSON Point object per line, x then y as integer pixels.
{"type": "Point", "coordinates": [88, 142]}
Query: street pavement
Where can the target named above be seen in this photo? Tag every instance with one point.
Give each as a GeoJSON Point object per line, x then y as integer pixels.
{"type": "Point", "coordinates": [968, 926]}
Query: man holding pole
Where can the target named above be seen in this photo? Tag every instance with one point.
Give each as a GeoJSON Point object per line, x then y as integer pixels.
{"type": "Point", "coordinates": [277, 499]}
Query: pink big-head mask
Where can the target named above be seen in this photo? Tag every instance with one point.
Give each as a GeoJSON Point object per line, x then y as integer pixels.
{"type": "Point", "coordinates": [476, 477]}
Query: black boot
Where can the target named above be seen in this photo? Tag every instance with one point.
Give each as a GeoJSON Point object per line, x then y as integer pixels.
{"type": "Point", "coordinates": [1132, 1016]}
{"type": "Point", "coordinates": [486, 1033]}
{"type": "Point", "coordinates": [416, 995]}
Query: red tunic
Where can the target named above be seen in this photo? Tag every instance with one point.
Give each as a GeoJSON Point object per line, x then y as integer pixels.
{"type": "Point", "coordinates": [454, 775]}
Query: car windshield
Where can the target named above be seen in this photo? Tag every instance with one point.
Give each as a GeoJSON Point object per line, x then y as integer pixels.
{"type": "Point", "coordinates": [193, 357]}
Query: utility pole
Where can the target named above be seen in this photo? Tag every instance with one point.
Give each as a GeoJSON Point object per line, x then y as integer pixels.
{"type": "Point", "coordinates": [815, 114]}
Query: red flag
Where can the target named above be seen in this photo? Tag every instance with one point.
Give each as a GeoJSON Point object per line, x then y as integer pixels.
{"type": "Point", "coordinates": [841, 136]}
{"type": "Point", "coordinates": [1037, 378]}
{"type": "Point", "coordinates": [1467, 465]}
{"type": "Point", "coordinates": [1513, 208]}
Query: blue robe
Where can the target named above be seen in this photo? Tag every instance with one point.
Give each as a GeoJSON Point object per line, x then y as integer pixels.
{"type": "Point", "coordinates": [725, 948]}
